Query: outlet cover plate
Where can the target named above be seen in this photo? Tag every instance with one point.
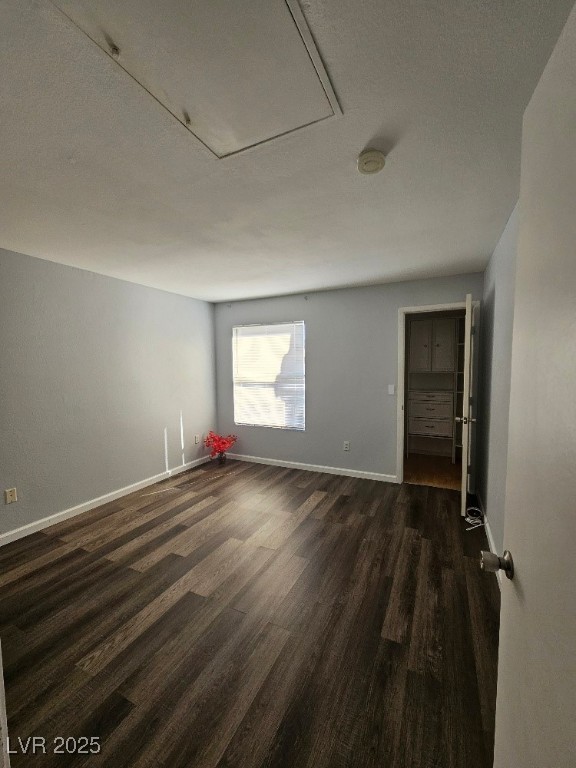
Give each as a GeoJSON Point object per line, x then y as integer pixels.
{"type": "Point", "coordinates": [10, 495]}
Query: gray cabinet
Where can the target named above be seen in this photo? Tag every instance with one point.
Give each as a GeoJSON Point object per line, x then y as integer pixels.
{"type": "Point", "coordinates": [432, 345]}
{"type": "Point", "coordinates": [420, 342]}
{"type": "Point", "coordinates": [443, 344]}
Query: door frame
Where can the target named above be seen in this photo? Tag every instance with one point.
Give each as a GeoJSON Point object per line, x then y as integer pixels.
{"type": "Point", "coordinates": [402, 312]}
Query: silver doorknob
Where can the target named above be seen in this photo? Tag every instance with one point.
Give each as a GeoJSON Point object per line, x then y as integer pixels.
{"type": "Point", "coordinates": [492, 563]}
{"type": "Point", "coordinates": [459, 419]}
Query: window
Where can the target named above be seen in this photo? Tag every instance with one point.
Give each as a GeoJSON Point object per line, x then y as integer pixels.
{"type": "Point", "coordinates": [268, 370]}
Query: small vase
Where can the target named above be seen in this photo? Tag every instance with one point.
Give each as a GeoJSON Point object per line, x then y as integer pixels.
{"type": "Point", "coordinates": [221, 458]}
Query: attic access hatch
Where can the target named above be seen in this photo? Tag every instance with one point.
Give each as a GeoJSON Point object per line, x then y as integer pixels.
{"type": "Point", "coordinates": [235, 74]}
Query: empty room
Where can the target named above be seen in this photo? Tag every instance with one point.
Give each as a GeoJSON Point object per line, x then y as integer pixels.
{"type": "Point", "coordinates": [287, 363]}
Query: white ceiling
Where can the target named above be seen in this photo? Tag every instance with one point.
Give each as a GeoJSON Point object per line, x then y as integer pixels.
{"type": "Point", "coordinates": [96, 173]}
{"type": "Point", "coordinates": [257, 91]}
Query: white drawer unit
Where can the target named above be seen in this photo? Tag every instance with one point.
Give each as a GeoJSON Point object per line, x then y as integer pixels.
{"type": "Point", "coordinates": [430, 409]}
{"type": "Point", "coordinates": [430, 427]}
{"type": "Point", "coordinates": [431, 415]}
{"type": "Point", "coordinates": [426, 397]}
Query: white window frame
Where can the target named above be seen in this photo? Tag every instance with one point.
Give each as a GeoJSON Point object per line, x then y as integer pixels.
{"type": "Point", "coordinates": [234, 367]}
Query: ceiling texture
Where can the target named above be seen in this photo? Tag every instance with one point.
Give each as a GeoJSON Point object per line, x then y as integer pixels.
{"type": "Point", "coordinates": [208, 147]}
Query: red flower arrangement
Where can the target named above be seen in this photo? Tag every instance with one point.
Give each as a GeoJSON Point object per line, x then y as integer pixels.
{"type": "Point", "coordinates": [218, 444]}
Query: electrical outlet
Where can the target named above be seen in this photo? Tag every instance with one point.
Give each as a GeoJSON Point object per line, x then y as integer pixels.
{"type": "Point", "coordinates": [346, 445]}
{"type": "Point", "coordinates": [10, 495]}
{"type": "Point", "coordinates": [196, 439]}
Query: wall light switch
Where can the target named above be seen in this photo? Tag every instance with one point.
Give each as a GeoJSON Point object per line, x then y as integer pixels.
{"type": "Point", "coordinates": [391, 389]}
{"type": "Point", "coordinates": [10, 495]}
{"type": "Point", "coordinates": [196, 439]}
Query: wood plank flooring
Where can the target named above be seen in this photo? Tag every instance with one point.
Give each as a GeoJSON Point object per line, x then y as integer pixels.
{"type": "Point", "coordinates": [437, 471]}
{"type": "Point", "coordinates": [249, 616]}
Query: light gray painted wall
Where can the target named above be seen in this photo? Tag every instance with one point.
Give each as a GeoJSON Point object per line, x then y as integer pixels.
{"type": "Point", "coordinates": [351, 357]}
{"type": "Point", "coordinates": [92, 370]}
{"type": "Point", "coordinates": [494, 384]}
{"type": "Point", "coordinates": [536, 701]}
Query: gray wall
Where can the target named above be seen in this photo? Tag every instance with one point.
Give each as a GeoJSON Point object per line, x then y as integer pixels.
{"type": "Point", "coordinates": [351, 357]}
{"type": "Point", "coordinates": [92, 370]}
{"type": "Point", "coordinates": [494, 384]}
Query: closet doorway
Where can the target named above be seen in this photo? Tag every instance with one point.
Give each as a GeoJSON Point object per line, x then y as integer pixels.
{"type": "Point", "coordinates": [436, 402]}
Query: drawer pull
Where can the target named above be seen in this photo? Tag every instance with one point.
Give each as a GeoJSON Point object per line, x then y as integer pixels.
{"type": "Point", "coordinates": [430, 409]}
{"type": "Point", "coordinates": [430, 426]}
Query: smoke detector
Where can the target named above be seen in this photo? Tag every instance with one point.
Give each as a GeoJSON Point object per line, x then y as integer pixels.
{"type": "Point", "coordinates": [371, 161]}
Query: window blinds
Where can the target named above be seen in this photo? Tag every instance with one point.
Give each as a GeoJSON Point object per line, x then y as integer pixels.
{"type": "Point", "coordinates": [268, 370]}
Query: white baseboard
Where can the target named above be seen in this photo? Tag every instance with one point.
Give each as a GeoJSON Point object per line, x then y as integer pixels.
{"type": "Point", "coordinates": [316, 468]}
{"type": "Point", "coordinates": [489, 536]}
{"type": "Point", "coordinates": [57, 517]}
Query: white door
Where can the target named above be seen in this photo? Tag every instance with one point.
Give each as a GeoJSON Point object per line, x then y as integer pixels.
{"type": "Point", "coordinates": [536, 704]}
{"type": "Point", "coordinates": [467, 419]}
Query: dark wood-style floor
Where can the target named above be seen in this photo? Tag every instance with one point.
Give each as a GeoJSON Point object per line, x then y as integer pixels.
{"type": "Point", "coordinates": [255, 616]}
{"type": "Point", "coordinates": [437, 471]}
